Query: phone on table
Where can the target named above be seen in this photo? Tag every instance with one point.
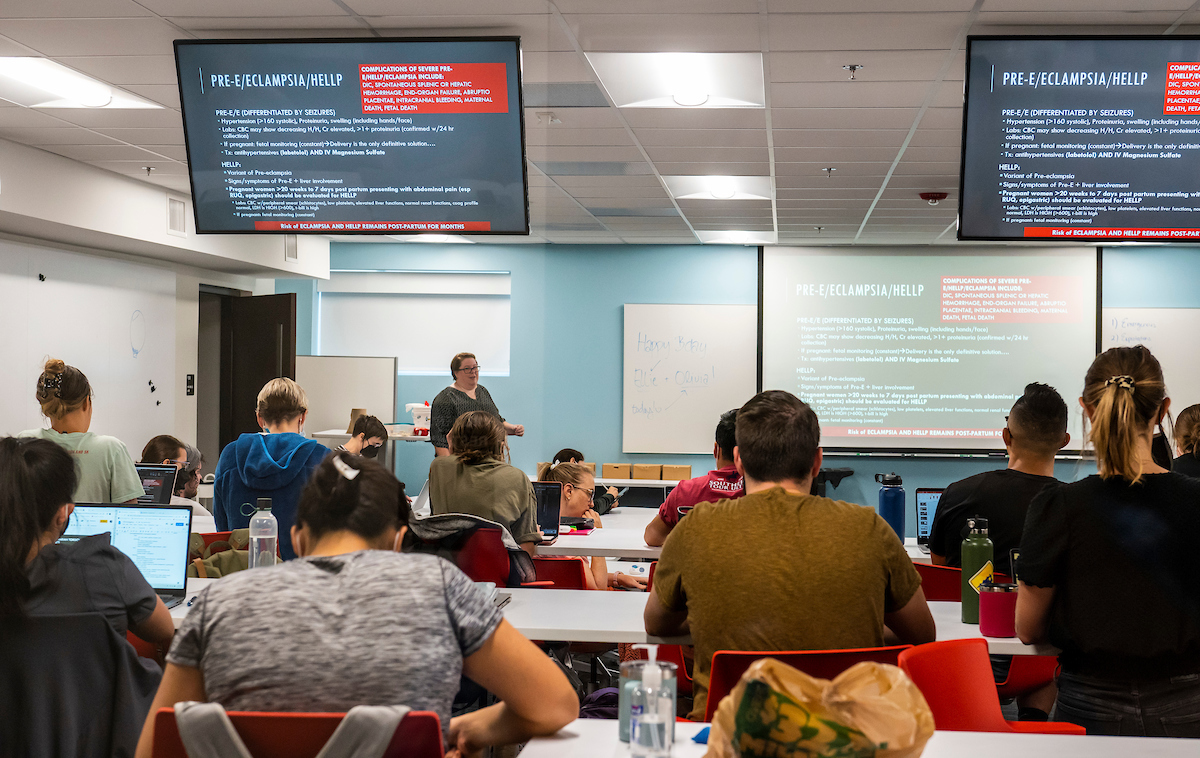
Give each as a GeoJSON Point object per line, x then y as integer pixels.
{"type": "Point", "coordinates": [547, 497]}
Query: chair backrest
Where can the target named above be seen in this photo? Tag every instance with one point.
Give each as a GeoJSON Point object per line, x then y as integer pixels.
{"type": "Point", "coordinates": [729, 665]}
{"type": "Point", "coordinates": [211, 537]}
{"type": "Point", "coordinates": [955, 676]}
{"type": "Point", "coordinates": [302, 735]}
{"type": "Point", "coordinates": [567, 572]}
{"type": "Point", "coordinates": [650, 578]}
{"type": "Point", "coordinates": [944, 582]}
{"type": "Point", "coordinates": [484, 558]}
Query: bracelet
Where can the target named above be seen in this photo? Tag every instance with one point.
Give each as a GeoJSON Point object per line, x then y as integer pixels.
{"type": "Point", "coordinates": [615, 581]}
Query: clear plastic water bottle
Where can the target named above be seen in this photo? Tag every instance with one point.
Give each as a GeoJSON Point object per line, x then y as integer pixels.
{"type": "Point", "coordinates": [652, 714]}
{"type": "Point", "coordinates": [264, 535]}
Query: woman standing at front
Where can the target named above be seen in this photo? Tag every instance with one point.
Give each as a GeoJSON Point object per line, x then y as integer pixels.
{"type": "Point", "coordinates": [465, 395]}
{"type": "Point", "coordinates": [1107, 567]}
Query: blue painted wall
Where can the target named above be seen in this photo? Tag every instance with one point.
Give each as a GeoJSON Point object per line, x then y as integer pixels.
{"type": "Point", "coordinates": [565, 383]}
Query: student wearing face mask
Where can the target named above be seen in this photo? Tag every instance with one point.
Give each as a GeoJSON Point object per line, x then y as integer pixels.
{"type": "Point", "coordinates": [274, 463]}
{"type": "Point", "coordinates": [367, 437]}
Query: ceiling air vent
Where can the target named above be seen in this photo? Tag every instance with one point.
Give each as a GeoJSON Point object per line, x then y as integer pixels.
{"type": "Point", "coordinates": [176, 217]}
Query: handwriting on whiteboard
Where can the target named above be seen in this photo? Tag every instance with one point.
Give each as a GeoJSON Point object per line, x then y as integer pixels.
{"type": "Point", "coordinates": [1129, 331]}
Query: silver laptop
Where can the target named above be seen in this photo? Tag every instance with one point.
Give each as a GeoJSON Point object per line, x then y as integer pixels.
{"type": "Point", "coordinates": [155, 537]}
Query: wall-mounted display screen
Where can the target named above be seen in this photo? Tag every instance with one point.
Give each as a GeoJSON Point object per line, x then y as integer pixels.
{"type": "Point", "coordinates": [354, 136]}
{"type": "Point", "coordinates": [1081, 138]}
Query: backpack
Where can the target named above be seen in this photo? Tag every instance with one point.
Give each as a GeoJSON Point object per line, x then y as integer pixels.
{"type": "Point", "coordinates": [220, 558]}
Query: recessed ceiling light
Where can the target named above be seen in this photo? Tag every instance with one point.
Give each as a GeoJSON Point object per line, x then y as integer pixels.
{"type": "Point", "coordinates": [456, 239]}
{"type": "Point", "coordinates": [722, 187]}
{"type": "Point", "coordinates": [43, 83]}
{"type": "Point", "coordinates": [682, 80]}
{"type": "Point", "coordinates": [736, 237]}
{"type": "Point", "coordinates": [719, 187]}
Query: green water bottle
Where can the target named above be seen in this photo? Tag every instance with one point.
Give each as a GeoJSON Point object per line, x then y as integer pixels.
{"type": "Point", "coordinates": [976, 567]}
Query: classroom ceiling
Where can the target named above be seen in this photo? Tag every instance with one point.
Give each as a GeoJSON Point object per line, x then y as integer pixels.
{"type": "Point", "coordinates": [597, 172]}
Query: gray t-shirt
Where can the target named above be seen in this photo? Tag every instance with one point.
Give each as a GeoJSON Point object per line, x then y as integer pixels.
{"type": "Point", "coordinates": [328, 633]}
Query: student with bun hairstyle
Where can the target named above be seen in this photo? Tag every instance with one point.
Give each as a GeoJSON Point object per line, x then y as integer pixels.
{"type": "Point", "coordinates": [106, 472]}
{"type": "Point", "coordinates": [1107, 568]}
{"type": "Point", "coordinates": [352, 622]}
{"type": "Point", "coordinates": [274, 463]}
{"type": "Point", "coordinates": [39, 577]}
{"type": "Point", "coordinates": [1187, 438]}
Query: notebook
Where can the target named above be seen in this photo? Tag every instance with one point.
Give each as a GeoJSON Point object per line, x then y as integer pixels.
{"type": "Point", "coordinates": [158, 481]}
{"type": "Point", "coordinates": [155, 537]}
{"type": "Point", "coordinates": [927, 503]}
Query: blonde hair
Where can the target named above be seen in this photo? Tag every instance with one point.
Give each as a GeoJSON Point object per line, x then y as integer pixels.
{"type": "Point", "coordinates": [477, 436]}
{"type": "Point", "coordinates": [281, 400]}
{"type": "Point", "coordinates": [456, 362]}
{"type": "Point", "coordinates": [1125, 387]}
{"type": "Point", "coordinates": [61, 389]}
{"type": "Point", "coordinates": [567, 473]}
{"type": "Point", "coordinates": [1187, 430]}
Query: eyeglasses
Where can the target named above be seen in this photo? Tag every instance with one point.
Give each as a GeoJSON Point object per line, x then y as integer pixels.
{"type": "Point", "coordinates": [590, 493]}
{"type": "Point", "coordinates": [469, 370]}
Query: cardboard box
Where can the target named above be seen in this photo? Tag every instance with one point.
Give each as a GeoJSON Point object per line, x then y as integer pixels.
{"type": "Point", "coordinates": [647, 471]}
{"type": "Point", "coordinates": [616, 471]}
{"type": "Point", "coordinates": [676, 473]}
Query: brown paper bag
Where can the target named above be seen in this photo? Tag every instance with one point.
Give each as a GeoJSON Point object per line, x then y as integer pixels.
{"type": "Point", "coordinates": [776, 711]}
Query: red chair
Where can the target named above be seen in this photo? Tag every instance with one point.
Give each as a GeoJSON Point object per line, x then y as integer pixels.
{"type": "Point", "coordinates": [484, 558]}
{"type": "Point", "coordinates": [1027, 674]}
{"type": "Point", "coordinates": [211, 537]}
{"type": "Point", "coordinates": [955, 677]}
{"type": "Point", "coordinates": [944, 582]}
{"type": "Point", "coordinates": [565, 572]}
{"type": "Point", "coordinates": [650, 579]}
{"type": "Point", "coordinates": [302, 735]}
{"type": "Point", "coordinates": [729, 665]}
{"type": "Point", "coordinates": [144, 649]}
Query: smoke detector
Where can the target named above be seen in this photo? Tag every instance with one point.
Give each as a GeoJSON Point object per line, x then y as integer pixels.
{"type": "Point", "coordinates": [934, 197]}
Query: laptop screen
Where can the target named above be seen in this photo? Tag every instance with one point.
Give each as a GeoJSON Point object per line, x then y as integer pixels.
{"type": "Point", "coordinates": [927, 503]}
{"type": "Point", "coordinates": [548, 497]}
{"type": "Point", "coordinates": [155, 538]}
{"type": "Point", "coordinates": [158, 481]}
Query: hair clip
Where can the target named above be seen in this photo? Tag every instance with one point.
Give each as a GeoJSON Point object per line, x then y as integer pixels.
{"type": "Point", "coordinates": [345, 469]}
{"type": "Point", "coordinates": [554, 465]}
{"type": "Point", "coordinates": [1123, 381]}
{"type": "Point", "coordinates": [53, 383]}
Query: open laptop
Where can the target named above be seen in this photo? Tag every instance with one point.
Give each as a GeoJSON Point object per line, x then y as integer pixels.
{"type": "Point", "coordinates": [421, 506]}
{"type": "Point", "coordinates": [155, 537]}
{"type": "Point", "coordinates": [158, 481]}
{"type": "Point", "coordinates": [927, 503]}
{"type": "Point", "coordinates": [548, 498]}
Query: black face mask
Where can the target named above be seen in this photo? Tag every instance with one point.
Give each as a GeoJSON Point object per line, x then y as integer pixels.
{"type": "Point", "coordinates": [370, 451]}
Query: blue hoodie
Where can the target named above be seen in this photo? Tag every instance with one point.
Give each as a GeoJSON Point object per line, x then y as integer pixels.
{"type": "Point", "coordinates": [264, 465]}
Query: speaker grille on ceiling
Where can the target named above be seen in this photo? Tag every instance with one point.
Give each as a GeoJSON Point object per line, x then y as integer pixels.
{"type": "Point", "coordinates": [176, 217]}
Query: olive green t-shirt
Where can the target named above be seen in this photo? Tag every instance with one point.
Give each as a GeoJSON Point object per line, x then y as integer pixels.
{"type": "Point", "coordinates": [493, 490]}
{"type": "Point", "coordinates": [781, 571]}
{"type": "Point", "coordinates": [105, 469]}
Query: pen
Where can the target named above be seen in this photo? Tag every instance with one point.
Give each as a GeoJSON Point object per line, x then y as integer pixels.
{"type": "Point", "coordinates": [192, 600]}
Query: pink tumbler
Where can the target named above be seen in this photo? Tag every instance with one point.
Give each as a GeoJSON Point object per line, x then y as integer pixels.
{"type": "Point", "coordinates": [998, 610]}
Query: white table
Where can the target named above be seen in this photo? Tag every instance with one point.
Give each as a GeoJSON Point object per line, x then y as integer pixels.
{"type": "Point", "coordinates": [193, 586]}
{"type": "Point", "coordinates": [597, 738]}
{"type": "Point", "coordinates": [581, 616]}
{"type": "Point", "coordinates": [914, 552]}
{"type": "Point", "coordinates": [622, 536]}
{"type": "Point", "coordinates": [947, 617]}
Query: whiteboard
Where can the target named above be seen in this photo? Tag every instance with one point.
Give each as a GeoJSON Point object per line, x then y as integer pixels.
{"type": "Point", "coordinates": [685, 365]}
{"type": "Point", "coordinates": [335, 385]}
{"type": "Point", "coordinates": [113, 320]}
{"type": "Point", "coordinates": [1170, 333]}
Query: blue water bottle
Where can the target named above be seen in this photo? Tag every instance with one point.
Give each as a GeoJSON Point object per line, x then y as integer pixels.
{"type": "Point", "coordinates": [891, 502]}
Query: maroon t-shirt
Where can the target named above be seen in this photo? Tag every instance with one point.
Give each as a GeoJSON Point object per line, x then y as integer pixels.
{"type": "Point", "coordinates": [722, 484]}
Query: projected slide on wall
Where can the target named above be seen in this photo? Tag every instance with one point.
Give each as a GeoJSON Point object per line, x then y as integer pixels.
{"type": "Point", "coordinates": [1082, 139]}
{"type": "Point", "coordinates": [355, 136]}
{"type": "Point", "coordinates": [898, 348]}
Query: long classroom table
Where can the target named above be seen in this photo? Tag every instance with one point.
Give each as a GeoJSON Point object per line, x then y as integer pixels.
{"type": "Point", "coordinates": [597, 738]}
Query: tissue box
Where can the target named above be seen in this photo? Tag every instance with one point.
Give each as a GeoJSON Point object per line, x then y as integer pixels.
{"type": "Point", "coordinates": [676, 473]}
{"type": "Point", "coordinates": [647, 471]}
{"type": "Point", "coordinates": [616, 471]}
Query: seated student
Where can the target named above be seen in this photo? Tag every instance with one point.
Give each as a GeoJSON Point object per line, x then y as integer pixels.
{"type": "Point", "coordinates": [781, 569]}
{"type": "Point", "coordinates": [352, 622]}
{"type": "Point", "coordinates": [578, 487]}
{"type": "Point", "coordinates": [367, 437]}
{"type": "Point", "coordinates": [1187, 438]}
{"type": "Point", "coordinates": [168, 451]}
{"type": "Point", "coordinates": [1036, 429]}
{"type": "Point", "coordinates": [274, 463]}
{"type": "Point", "coordinates": [723, 483]}
{"type": "Point", "coordinates": [476, 479]}
{"type": "Point", "coordinates": [1107, 569]}
{"type": "Point", "coordinates": [106, 472]}
{"type": "Point", "coordinates": [603, 501]}
{"type": "Point", "coordinates": [41, 578]}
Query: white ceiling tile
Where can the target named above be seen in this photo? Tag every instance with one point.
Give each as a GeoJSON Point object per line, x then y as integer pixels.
{"type": "Point", "coordinates": [76, 37]}
{"type": "Point", "coordinates": [577, 118]}
{"type": "Point", "coordinates": [63, 135]}
{"type": "Point", "coordinates": [849, 94]}
{"type": "Point", "coordinates": [870, 31]}
{"type": "Point", "coordinates": [702, 137]}
{"type": "Point", "coordinates": [89, 153]}
{"type": "Point", "coordinates": [27, 117]}
{"type": "Point", "coordinates": [834, 156]}
{"type": "Point", "coordinates": [879, 65]}
{"type": "Point", "coordinates": [866, 6]}
{"type": "Point", "coordinates": [707, 154]}
{"type": "Point", "coordinates": [713, 168]}
{"type": "Point", "coordinates": [145, 136]}
{"type": "Point", "coordinates": [554, 67]}
{"type": "Point", "coordinates": [706, 118]}
{"type": "Point", "coordinates": [107, 117]}
{"type": "Point", "coordinates": [241, 8]}
{"type": "Point", "coordinates": [371, 8]}
{"type": "Point", "coordinates": [844, 118]}
{"type": "Point", "coordinates": [301, 25]}
{"type": "Point", "coordinates": [1077, 16]}
{"type": "Point", "coordinates": [586, 137]}
{"type": "Point", "coordinates": [678, 33]}
{"type": "Point", "coordinates": [72, 9]}
{"type": "Point", "coordinates": [123, 70]}
{"type": "Point", "coordinates": [892, 138]}
{"type": "Point", "coordinates": [538, 32]}
{"type": "Point", "coordinates": [164, 94]}
{"type": "Point", "coordinates": [583, 153]}
{"type": "Point", "coordinates": [936, 138]}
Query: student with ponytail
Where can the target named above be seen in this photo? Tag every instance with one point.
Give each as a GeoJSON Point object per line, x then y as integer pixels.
{"type": "Point", "coordinates": [352, 622]}
{"type": "Point", "coordinates": [106, 471]}
{"type": "Point", "coordinates": [1187, 438]}
{"type": "Point", "coordinates": [1107, 568]}
{"type": "Point", "coordinates": [39, 577]}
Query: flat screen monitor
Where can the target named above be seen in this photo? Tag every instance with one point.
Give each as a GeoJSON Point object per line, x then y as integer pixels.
{"type": "Point", "coordinates": [355, 136]}
{"type": "Point", "coordinates": [925, 349]}
{"type": "Point", "coordinates": [1081, 138]}
{"type": "Point", "coordinates": [154, 537]}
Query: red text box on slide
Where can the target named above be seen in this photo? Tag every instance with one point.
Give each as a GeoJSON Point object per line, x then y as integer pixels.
{"type": "Point", "coordinates": [1012, 299]}
{"type": "Point", "coordinates": [373, 226]}
{"type": "Point", "coordinates": [1182, 94]}
{"type": "Point", "coordinates": [907, 432]}
{"type": "Point", "coordinates": [433, 87]}
{"type": "Point", "coordinates": [1111, 232]}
